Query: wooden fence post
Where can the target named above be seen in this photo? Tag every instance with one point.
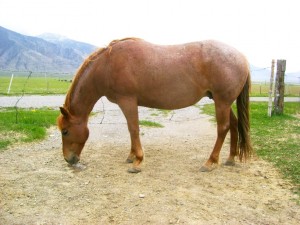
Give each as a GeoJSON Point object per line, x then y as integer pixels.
{"type": "Point", "coordinates": [271, 88]}
{"type": "Point", "coordinates": [279, 87]}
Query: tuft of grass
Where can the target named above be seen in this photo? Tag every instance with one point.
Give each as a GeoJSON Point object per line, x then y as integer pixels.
{"type": "Point", "coordinates": [4, 144]}
{"type": "Point", "coordinates": [276, 138]}
{"type": "Point", "coordinates": [24, 125]}
{"type": "Point", "coordinates": [208, 109]}
{"type": "Point", "coordinates": [164, 112]}
{"type": "Point", "coordinates": [147, 123]}
{"type": "Point", "coordinates": [161, 112]}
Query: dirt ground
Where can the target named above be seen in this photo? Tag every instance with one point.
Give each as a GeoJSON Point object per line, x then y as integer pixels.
{"type": "Point", "coordinates": [38, 187]}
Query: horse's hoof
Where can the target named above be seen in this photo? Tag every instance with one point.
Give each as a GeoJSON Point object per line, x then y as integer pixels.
{"type": "Point", "coordinates": [205, 169]}
{"type": "Point", "coordinates": [229, 163]}
{"type": "Point", "coordinates": [134, 170]}
{"type": "Point", "coordinates": [129, 160]}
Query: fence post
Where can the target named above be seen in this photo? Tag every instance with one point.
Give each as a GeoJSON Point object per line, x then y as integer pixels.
{"type": "Point", "coordinates": [279, 87]}
{"type": "Point", "coordinates": [11, 79]}
{"type": "Point", "coordinates": [271, 88]}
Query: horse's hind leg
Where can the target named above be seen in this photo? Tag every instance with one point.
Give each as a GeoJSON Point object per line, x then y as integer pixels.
{"type": "Point", "coordinates": [223, 124]}
{"type": "Point", "coordinates": [129, 108]}
{"type": "Point", "coordinates": [233, 139]}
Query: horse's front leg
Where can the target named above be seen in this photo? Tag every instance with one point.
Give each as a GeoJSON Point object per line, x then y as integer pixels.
{"type": "Point", "coordinates": [129, 108]}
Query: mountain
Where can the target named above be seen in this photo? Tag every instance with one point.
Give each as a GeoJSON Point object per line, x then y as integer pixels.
{"type": "Point", "coordinates": [21, 52]}
{"type": "Point", "coordinates": [292, 78]}
{"type": "Point", "coordinates": [81, 48]}
{"type": "Point", "coordinates": [55, 53]}
{"type": "Point", "coordinates": [264, 74]}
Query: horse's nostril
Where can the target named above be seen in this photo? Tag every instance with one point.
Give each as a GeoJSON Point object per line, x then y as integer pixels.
{"type": "Point", "coordinates": [73, 160]}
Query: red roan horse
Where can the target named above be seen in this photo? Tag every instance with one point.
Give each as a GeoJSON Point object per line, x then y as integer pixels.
{"type": "Point", "coordinates": [132, 72]}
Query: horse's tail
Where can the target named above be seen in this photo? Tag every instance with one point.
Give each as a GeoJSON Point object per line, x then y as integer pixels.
{"type": "Point", "coordinates": [244, 143]}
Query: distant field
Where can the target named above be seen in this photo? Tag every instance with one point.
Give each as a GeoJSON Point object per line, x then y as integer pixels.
{"type": "Point", "coordinates": [34, 85]}
{"type": "Point", "coordinates": [262, 90]}
{"type": "Point", "coordinates": [46, 85]}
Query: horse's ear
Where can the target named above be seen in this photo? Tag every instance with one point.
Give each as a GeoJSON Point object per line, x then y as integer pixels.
{"type": "Point", "coordinates": [64, 112]}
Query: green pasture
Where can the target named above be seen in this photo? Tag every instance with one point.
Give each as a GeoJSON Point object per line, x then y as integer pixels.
{"type": "Point", "coordinates": [34, 85]}
{"type": "Point", "coordinates": [262, 90]}
{"type": "Point", "coordinates": [59, 84]}
{"type": "Point", "coordinates": [276, 138]}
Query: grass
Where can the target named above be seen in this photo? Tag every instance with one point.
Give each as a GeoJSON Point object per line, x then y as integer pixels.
{"type": "Point", "coordinates": [276, 138]}
{"type": "Point", "coordinates": [26, 126]}
{"type": "Point", "coordinates": [262, 90]}
{"type": "Point", "coordinates": [34, 85]}
{"type": "Point", "coordinates": [161, 112]}
{"type": "Point", "coordinates": [148, 123]}
{"type": "Point", "coordinates": [54, 84]}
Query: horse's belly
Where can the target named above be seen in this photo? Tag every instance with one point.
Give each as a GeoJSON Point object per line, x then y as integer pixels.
{"type": "Point", "coordinates": [170, 99]}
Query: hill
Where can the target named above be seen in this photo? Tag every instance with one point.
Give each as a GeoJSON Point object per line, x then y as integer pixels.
{"type": "Point", "coordinates": [55, 53]}
{"type": "Point", "coordinates": [21, 52]}
{"type": "Point", "coordinates": [81, 48]}
{"type": "Point", "coordinates": [263, 75]}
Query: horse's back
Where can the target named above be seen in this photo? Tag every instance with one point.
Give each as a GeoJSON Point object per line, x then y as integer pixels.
{"type": "Point", "coordinates": [176, 76]}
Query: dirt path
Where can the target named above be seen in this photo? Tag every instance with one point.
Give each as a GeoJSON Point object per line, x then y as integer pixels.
{"type": "Point", "coordinates": [37, 186]}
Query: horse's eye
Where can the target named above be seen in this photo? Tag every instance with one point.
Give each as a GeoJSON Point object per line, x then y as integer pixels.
{"type": "Point", "coordinates": [64, 132]}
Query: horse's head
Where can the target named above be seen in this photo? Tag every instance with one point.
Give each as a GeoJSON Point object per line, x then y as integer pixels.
{"type": "Point", "coordinates": [74, 133]}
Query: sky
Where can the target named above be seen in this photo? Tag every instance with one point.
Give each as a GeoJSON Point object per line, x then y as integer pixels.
{"type": "Point", "coordinates": [261, 29]}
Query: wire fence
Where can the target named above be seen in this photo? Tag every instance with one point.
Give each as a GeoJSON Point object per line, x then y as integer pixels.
{"type": "Point", "coordinates": [20, 82]}
{"type": "Point", "coordinates": [107, 113]}
{"type": "Point", "coordinates": [263, 88]}
{"type": "Point", "coordinates": [23, 84]}
{"type": "Point", "coordinates": [47, 83]}
{"type": "Point", "coordinates": [261, 82]}
{"type": "Point", "coordinates": [23, 89]}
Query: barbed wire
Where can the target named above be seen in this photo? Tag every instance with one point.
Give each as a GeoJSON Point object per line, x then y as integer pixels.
{"type": "Point", "coordinates": [260, 69]}
{"type": "Point", "coordinates": [104, 109]}
{"type": "Point", "coordinates": [73, 73]}
{"type": "Point", "coordinates": [37, 72]}
{"type": "Point", "coordinates": [70, 73]}
{"type": "Point", "coordinates": [23, 92]}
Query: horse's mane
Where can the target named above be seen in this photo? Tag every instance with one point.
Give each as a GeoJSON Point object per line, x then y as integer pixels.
{"type": "Point", "coordinates": [87, 62]}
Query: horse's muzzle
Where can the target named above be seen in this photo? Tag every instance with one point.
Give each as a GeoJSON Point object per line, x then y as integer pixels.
{"type": "Point", "coordinates": [73, 160]}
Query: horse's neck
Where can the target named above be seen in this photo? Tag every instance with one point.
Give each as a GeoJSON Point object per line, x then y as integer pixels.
{"type": "Point", "coordinates": [84, 97]}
